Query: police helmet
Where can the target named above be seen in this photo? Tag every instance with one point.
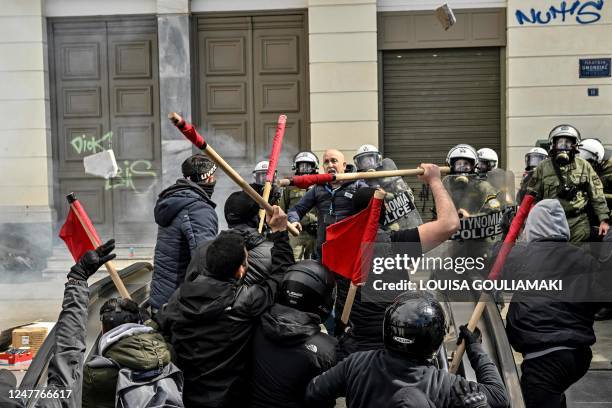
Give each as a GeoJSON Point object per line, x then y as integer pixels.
{"type": "Point", "coordinates": [367, 158]}
{"type": "Point", "coordinates": [305, 162]}
{"type": "Point", "coordinates": [487, 159]}
{"type": "Point", "coordinates": [310, 287]}
{"type": "Point", "coordinates": [535, 156]}
{"type": "Point", "coordinates": [463, 152]}
{"type": "Point", "coordinates": [260, 171]}
{"type": "Point", "coordinates": [591, 150]}
{"type": "Point", "coordinates": [414, 325]}
{"type": "Point", "coordinates": [198, 167]}
{"type": "Point", "coordinates": [570, 135]}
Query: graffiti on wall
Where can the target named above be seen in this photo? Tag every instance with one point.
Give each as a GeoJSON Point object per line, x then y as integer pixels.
{"type": "Point", "coordinates": [126, 173]}
{"type": "Point", "coordinates": [90, 145]}
{"type": "Point", "coordinates": [583, 12]}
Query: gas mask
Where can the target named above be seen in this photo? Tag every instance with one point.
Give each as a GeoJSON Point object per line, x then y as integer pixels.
{"type": "Point", "coordinates": [563, 148]}
{"type": "Point", "coordinates": [462, 167]}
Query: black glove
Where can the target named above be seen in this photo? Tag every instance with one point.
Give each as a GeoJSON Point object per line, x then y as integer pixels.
{"type": "Point", "coordinates": [91, 261]}
{"type": "Point", "coordinates": [468, 336]}
{"type": "Point", "coordinates": [341, 329]}
{"type": "Point", "coordinates": [467, 392]}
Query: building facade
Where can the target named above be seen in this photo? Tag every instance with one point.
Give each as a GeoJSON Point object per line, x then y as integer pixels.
{"type": "Point", "coordinates": [79, 76]}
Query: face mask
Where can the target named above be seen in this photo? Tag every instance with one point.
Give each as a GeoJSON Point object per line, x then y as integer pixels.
{"type": "Point", "coordinates": [562, 158]}
{"type": "Point", "coordinates": [462, 166]}
{"type": "Point", "coordinates": [209, 188]}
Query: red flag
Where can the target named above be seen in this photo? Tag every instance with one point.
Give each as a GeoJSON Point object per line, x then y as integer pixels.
{"type": "Point", "coordinates": [345, 251]}
{"type": "Point", "coordinates": [73, 233]}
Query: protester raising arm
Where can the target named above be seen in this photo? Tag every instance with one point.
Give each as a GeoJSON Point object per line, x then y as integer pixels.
{"type": "Point", "coordinates": [435, 232]}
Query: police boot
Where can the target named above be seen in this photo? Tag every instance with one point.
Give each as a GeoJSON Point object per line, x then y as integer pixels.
{"type": "Point", "coordinates": [605, 313]}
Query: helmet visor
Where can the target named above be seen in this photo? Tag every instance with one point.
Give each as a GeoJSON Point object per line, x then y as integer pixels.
{"type": "Point", "coordinates": [259, 177]}
{"type": "Point", "coordinates": [368, 161]}
{"type": "Point", "coordinates": [533, 159]}
{"type": "Point", "coordinates": [486, 165]}
{"type": "Point", "coordinates": [462, 166]}
{"type": "Point", "coordinates": [305, 168]}
{"type": "Point", "coordinates": [563, 143]}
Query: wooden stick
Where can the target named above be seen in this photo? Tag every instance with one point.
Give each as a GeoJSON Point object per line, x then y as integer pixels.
{"type": "Point", "coordinates": [476, 314]}
{"type": "Point", "coordinates": [262, 213]}
{"type": "Point", "coordinates": [348, 304]}
{"type": "Point", "coordinates": [373, 175]}
{"type": "Point", "coordinates": [110, 267]}
{"type": "Point", "coordinates": [229, 170]}
{"type": "Point", "coordinates": [237, 178]}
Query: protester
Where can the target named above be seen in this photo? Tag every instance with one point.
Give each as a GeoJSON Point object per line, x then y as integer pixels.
{"type": "Point", "coordinates": [241, 216]}
{"type": "Point", "coordinates": [414, 328]}
{"type": "Point", "coordinates": [366, 315]}
{"type": "Point", "coordinates": [66, 367]}
{"type": "Point", "coordinates": [554, 336]}
{"type": "Point", "coordinates": [186, 218]}
{"type": "Point", "coordinates": [210, 320]}
{"type": "Point", "coordinates": [134, 362]}
{"type": "Point", "coordinates": [333, 201]}
{"type": "Point", "coordinates": [288, 347]}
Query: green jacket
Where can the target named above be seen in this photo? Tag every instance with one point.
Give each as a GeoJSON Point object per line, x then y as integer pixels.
{"type": "Point", "coordinates": [142, 351]}
{"type": "Point", "coordinates": [475, 197]}
{"type": "Point", "coordinates": [291, 195]}
{"type": "Point", "coordinates": [605, 174]}
{"type": "Point", "coordinates": [545, 184]}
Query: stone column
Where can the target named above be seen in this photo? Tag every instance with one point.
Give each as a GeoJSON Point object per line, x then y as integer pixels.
{"type": "Point", "coordinates": [174, 83]}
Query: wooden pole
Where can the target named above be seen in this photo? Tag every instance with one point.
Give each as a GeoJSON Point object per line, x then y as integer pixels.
{"type": "Point", "coordinates": [373, 175]}
{"type": "Point", "coordinates": [348, 304]}
{"type": "Point", "coordinates": [262, 213]}
{"type": "Point", "coordinates": [233, 174]}
{"type": "Point", "coordinates": [476, 314]}
{"type": "Point", "coordinates": [110, 267]}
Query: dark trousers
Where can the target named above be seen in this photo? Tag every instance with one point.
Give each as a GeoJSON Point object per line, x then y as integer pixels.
{"type": "Point", "coordinates": [546, 378]}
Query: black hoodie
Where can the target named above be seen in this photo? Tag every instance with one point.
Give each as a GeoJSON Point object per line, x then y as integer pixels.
{"type": "Point", "coordinates": [210, 324]}
{"type": "Point", "coordinates": [186, 219]}
{"type": "Point", "coordinates": [288, 351]}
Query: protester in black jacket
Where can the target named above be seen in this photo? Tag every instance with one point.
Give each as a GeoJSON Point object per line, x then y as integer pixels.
{"type": "Point", "coordinates": [186, 218]}
{"type": "Point", "coordinates": [210, 320]}
{"type": "Point", "coordinates": [241, 216]}
{"type": "Point", "coordinates": [553, 331]}
{"type": "Point", "coordinates": [65, 370]}
{"type": "Point", "coordinates": [289, 349]}
{"type": "Point", "coordinates": [414, 328]}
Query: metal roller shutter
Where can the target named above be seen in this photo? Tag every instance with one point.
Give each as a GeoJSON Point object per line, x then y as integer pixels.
{"type": "Point", "coordinates": [435, 99]}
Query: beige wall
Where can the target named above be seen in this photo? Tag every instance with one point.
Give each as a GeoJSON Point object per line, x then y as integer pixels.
{"type": "Point", "coordinates": [543, 87]}
{"type": "Point", "coordinates": [25, 149]}
{"type": "Point", "coordinates": [343, 74]}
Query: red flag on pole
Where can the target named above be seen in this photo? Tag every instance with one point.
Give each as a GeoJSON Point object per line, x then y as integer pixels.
{"type": "Point", "coordinates": [345, 251]}
{"type": "Point", "coordinates": [74, 235]}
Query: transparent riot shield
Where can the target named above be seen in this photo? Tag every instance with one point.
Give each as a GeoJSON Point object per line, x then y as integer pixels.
{"type": "Point", "coordinates": [481, 208]}
{"type": "Point", "coordinates": [401, 210]}
{"type": "Point", "coordinates": [504, 183]}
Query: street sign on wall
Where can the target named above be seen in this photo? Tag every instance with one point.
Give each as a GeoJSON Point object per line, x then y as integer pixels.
{"type": "Point", "coordinates": [594, 67]}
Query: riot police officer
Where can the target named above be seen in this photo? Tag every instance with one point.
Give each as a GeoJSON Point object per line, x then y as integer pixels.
{"type": "Point", "coordinates": [593, 151]}
{"type": "Point", "coordinates": [487, 160]}
{"type": "Point", "coordinates": [469, 193]}
{"type": "Point", "coordinates": [572, 181]}
{"type": "Point", "coordinates": [303, 245]}
{"type": "Point", "coordinates": [532, 158]}
{"type": "Point", "coordinates": [399, 198]}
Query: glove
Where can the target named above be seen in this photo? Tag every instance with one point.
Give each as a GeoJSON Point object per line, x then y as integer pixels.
{"type": "Point", "coordinates": [467, 392]}
{"type": "Point", "coordinates": [91, 261]}
{"type": "Point", "coordinates": [468, 336]}
{"type": "Point", "coordinates": [341, 329]}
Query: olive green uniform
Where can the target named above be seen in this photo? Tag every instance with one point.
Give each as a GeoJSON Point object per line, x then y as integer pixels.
{"type": "Point", "coordinates": [545, 184]}
{"type": "Point", "coordinates": [605, 174]}
{"type": "Point", "coordinates": [476, 196]}
{"type": "Point", "coordinates": [304, 244]}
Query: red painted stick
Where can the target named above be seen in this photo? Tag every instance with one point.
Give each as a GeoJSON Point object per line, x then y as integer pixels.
{"type": "Point", "coordinates": [272, 164]}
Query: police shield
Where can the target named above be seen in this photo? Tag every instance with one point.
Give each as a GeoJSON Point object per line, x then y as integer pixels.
{"type": "Point", "coordinates": [481, 208]}
{"type": "Point", "coordinates": [400, 209]}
